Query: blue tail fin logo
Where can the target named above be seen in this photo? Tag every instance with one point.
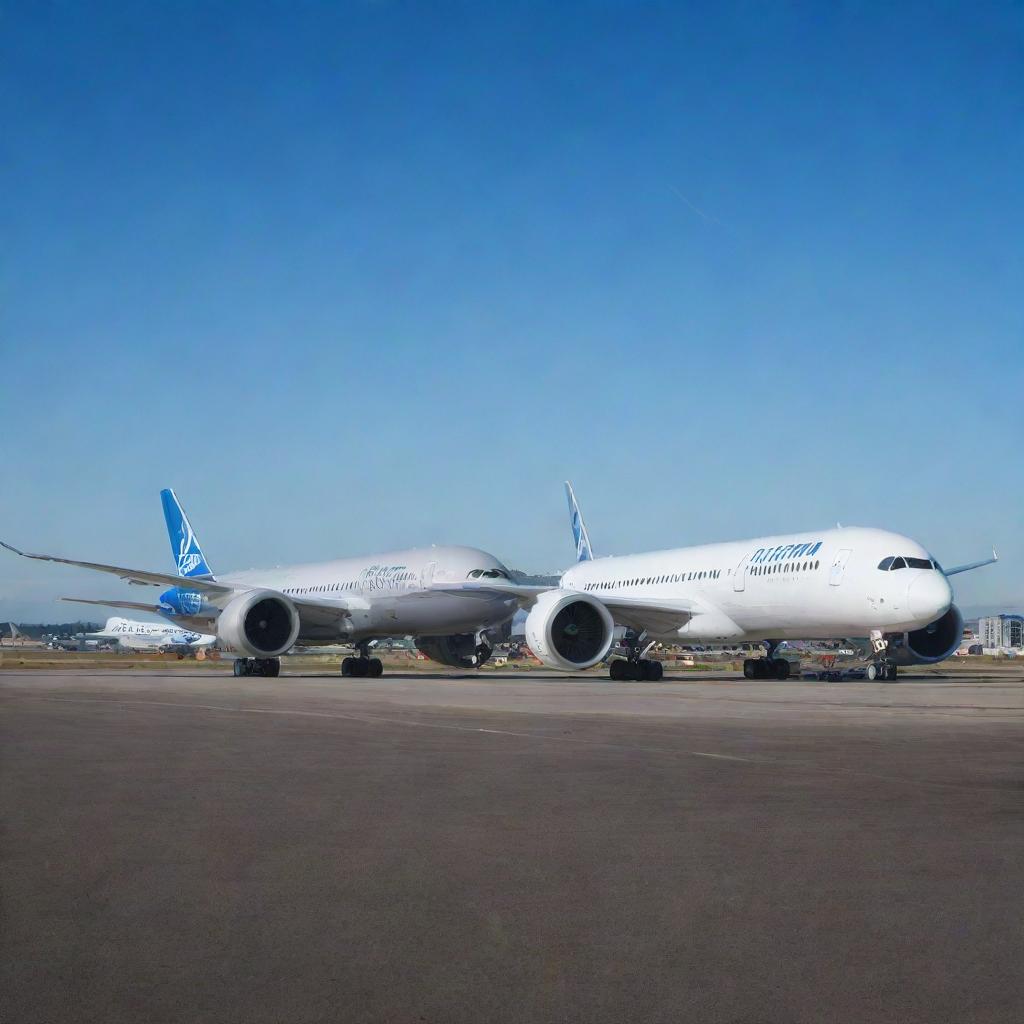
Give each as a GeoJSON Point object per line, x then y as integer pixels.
{"type": "Point", "coordinates": [188, 555]}
{"type": "Point", "coordinates": [584, 553]}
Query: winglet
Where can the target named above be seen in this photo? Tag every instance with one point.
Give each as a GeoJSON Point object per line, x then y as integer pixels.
{"type": "Point", "coordinates": [972, 565]}
{"type": "Point", "coordinates": [584, 552]}
{"type": "Point", "coordinates": [188, 555]}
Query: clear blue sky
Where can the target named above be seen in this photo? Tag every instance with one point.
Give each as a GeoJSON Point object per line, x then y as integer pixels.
{"type": "Point", "coordinates": [360, 275]}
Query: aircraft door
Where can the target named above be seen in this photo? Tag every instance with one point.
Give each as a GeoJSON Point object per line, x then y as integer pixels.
{"type": "Point", "coordinates": [427, 576]}
{"type": "Point", "coordinates": [739, 577]}
{"type": "Point", "coordinates": [835, 575]}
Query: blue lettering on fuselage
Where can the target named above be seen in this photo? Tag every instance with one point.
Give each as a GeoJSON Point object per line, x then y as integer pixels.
{"type": "Point", "coordinates": [785, 551]}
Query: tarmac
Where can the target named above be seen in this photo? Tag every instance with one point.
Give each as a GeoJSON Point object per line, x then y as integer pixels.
{"type": "Point", "coordinates": [183, 846]}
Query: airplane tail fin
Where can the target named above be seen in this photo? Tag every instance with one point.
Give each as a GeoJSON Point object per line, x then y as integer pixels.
{"type": "Point", "coordinates": [188, 555]}
{"type": "Point", "coordinates": [16, 634]}
{"type": "Point", "coordinates": [584, 553]}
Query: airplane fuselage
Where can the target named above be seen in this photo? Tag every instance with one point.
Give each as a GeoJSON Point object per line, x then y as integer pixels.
{"type": "Point", "coordinates": [813, 585]}
{"type": "Point", "coordinates": [387, 594]}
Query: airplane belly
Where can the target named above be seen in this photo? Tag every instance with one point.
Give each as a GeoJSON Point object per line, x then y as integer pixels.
{"type": "Point", "coordinates": [438, 615]}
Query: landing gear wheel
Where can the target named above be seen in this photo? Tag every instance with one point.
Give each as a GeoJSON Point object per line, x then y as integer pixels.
{"type": "Point", "coordinates": [271, 667]}
{"type": "Point", "coordinates": [360, 668]}
{"type": "Point", "coordinates": [749, 668]}
{"type": "Point", "coordinates": [240, 667]}
{"type": "Point", "coordinates": [617, 669]}
{"type": "Point", "coordinates": [651, 670]}
{"type": "Point", "coordinates": [872, 672]}
{"type": "Point", "coordinates": [781, 669]}
{"type": "Point", "coordinates": [891, 673]}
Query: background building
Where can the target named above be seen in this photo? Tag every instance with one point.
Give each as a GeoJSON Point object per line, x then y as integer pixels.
{"type": "Point", "coordinates": [1001, 631]}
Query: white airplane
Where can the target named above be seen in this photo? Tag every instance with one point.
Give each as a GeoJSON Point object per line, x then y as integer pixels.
{"type": "Point", "coordinates": [135, 635]}
{"type": "Point", "coordinates": [830, 584]}
{"type": "Point", "coordinates": [262, 614]}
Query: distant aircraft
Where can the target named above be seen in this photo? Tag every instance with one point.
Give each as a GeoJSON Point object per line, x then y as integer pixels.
{"type": "Point", "coordinates": [831, 584]}
{"type": "Point", "coordinates": [134, 635]}
{"type": "Point", "coordinates": [262, 614]}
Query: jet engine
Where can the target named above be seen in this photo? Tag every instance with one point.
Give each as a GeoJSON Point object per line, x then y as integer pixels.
{"type": "Point", "coordinates": [259, 624]}
{"type": "Point", "coordinates": [568, 630]}
{"type": "Point", "coordinates": [935, 642]}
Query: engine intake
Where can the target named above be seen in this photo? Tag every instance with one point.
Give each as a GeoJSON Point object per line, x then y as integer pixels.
{"type": "Point", "coordinates": [939, 639]}
{"type": "Point", "coordinates": [259, 624]}
{"type": "Point", "coordinates": [567, 630]}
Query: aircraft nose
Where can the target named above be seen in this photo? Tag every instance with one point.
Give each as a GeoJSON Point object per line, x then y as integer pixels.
{"type": "Point", "coordinates": [929, 596]}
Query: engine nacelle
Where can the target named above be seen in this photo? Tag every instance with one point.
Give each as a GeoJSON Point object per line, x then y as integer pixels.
{"type": "Point", "coordinates": [458, 651]}
{"type": "Point", "coordinates": [568, 630]}
{"type": "Point", "coordinates": [259, 624]}
{"type": "Point", "coordinates": [935, 642]}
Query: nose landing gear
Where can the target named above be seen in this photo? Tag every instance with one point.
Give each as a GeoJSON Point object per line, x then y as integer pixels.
{"type": "Point", "coordinates": [880, 668]}
{"type": "Point", "coordinates": [483, 651]}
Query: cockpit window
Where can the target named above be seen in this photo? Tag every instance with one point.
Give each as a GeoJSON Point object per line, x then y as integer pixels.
{"type": "Point", "coordinates": [488, 574]}
{"type": "Point", "coordinates": [900, 562]}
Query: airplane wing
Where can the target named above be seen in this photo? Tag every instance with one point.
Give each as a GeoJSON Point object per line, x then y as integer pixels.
{"type": "Point", "coordinates": [661, 617]}
{"type": "Point", "coordinates": [656, 617]}
{"type": "Point", "coordinates": [317, 611]}
{"type": "Point", "coordinates": [140, 576]}
{"type": "Point", "coordinates": [971, 565]}
{"type": "Point", "coordinates": [524, 594]}
{"type": "Point", "coordinates": [137, 606]}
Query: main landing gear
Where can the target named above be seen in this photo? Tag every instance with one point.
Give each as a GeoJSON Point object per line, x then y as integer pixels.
{"type": "Point", "coordinates": [880, 668]}
{"type": "Point", "coordinates": [362, 666]}
{"type": "Point", "coordinates": [768, 667]}
{"type": "Point", "coordinates": [635, 666]}
{"type": "Point", "coordinates": [257, 666]}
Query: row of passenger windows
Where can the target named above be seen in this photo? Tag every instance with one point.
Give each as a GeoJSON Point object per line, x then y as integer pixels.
{"type": "Point", "coordinates": [677, 577]}
{"type": "Point", "coordinates": [333, 588]}
{"type": "Point", "coordinates": [765, 570]}
{"type": "Point", "coordinates": [401, 577]}
{"type": "Point", "coordinates": [906, 562]}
